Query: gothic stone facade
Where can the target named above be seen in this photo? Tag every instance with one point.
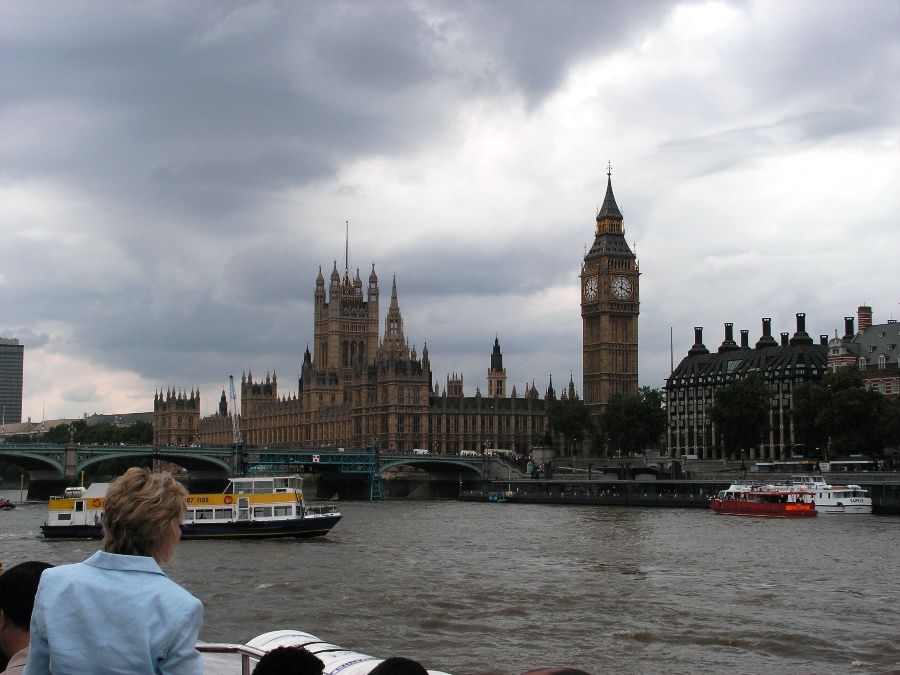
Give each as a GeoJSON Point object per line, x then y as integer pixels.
{"type": "Point", "coordinates": [176, 418]}
{"type": "Point", "coordinates": [610, 304]}
{"type": "Point", "coordinates": [356, 389]}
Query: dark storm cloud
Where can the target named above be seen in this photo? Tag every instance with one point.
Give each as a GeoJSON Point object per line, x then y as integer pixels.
{"type": "Point", "coordinates": [534, 43]}
{"type": "Point", "coordinates": [178, 155]}
{"type": "Point", "coordinates": [520, 268]}
{"type": "Point", "coordinates": [209, 106]}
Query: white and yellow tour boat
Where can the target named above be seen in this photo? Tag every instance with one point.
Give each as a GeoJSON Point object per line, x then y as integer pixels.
{"type": "Point", "coordinates": [252, 508]}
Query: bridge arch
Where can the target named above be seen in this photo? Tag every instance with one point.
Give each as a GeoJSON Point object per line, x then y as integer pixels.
{"type": "Point", "coordinates": [434, 464]}
{"type": "Point", "coordinates": [42, 461]}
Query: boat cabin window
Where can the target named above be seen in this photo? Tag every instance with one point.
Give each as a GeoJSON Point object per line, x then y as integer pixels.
{"type": "Point", "coordinates": [203, 514]}
{"type": "Point", "coordinates": [79, 506]}
{"type": "Point", "coordinates": [266, 485]}
{"type": "Point", "coordinates": [224, 513]}
{"type": "Point", "coordinates": [262, 511]}
{"type": "Point", "coordinates": [64, 516]}
{"type": "Point", "coordinates": [284, 511]}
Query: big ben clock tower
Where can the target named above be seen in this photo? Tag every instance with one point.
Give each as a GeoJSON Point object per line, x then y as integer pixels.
{"type": "Point", "coordinates": [610, 304]}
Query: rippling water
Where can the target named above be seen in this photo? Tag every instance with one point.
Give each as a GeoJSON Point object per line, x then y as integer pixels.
{"type": "Point", "coordinates": [503, 588]}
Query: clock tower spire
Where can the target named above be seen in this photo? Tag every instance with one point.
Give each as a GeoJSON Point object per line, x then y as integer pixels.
{"type": "Point", "coordinates": [610, 304]}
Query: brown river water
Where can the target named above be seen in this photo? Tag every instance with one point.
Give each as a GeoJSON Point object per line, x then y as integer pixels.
{"type": "Point", "coordinates": [471, 588]}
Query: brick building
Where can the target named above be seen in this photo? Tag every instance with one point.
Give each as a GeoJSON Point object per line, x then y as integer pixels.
{"type": "Point", "coordinates": [873, 348]}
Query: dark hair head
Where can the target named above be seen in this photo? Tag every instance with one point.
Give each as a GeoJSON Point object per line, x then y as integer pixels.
{"type": "Point", "coordinates": [397, 665]}
{"type": "Point", "coordinates": [18, 586]}
{"type": "Point", "coordinates": [289, 661]}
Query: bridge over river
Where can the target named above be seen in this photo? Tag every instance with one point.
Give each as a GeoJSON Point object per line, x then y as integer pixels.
{"type": "Point", "coordinates": [53, 465]}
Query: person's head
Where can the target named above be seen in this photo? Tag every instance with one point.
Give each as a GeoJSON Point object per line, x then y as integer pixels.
{"type": "Point", "coordinates": [18, 586]}
{"type": "Point", "coordinates": [397, 665]}
{"type": "Point", "coordinates": [289, 661]}
{"type": "Point", "coordinates": [142, 513]}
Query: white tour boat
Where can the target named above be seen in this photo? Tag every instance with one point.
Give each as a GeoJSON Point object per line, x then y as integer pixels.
{"type": "Point", "coordinates": [249, 508]}
{"type": "Point", "coordinates": [833, 498]}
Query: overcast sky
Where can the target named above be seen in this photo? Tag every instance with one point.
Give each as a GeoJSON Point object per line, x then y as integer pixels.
{"type": "Point", "coordinates": [173, 174]}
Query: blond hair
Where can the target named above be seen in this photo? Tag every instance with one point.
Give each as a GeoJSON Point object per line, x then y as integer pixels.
{"type": "Point", "coordinates": [139, 510]}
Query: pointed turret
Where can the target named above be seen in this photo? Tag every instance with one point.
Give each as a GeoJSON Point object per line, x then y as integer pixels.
{"type": "Point", "coordinates": [609, 210]}
{"type": "Point", "coordinates": [497, 373]}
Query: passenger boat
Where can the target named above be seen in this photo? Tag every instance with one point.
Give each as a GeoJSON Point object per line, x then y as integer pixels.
{"type": "Point", "coordinates": [754, 499]}
{"type": "Point", "coordinates": [251, 508]}
{"type": "Point", "coordinates": [235, 659]}
{"type": "Point", "coordinates": [833, 498]}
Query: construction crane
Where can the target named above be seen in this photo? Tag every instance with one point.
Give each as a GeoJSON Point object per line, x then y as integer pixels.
{"type": "Point", "coordinates": [235, 420]}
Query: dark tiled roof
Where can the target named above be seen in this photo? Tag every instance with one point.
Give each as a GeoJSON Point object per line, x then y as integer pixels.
{"type": "Point", "coordinates": [773, 363]}
{"type": "Point", "coordinates": [881, 339]}
{"type": "Point", "coordinates": [610, 243]}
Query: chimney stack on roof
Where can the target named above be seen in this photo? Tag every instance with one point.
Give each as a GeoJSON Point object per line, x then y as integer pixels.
{"type": "Point", "coordinates": [864, 312]}
{"type": "Point", "coordinates": [801, 337]}
{"type": "Point", "coordinates": [699, 347]}
{"type": "Point", "coordinates": [848, 327]}
{"type": "Point", "coordinates": [766, 340]}
{"type": "Point", "coordinates": [729, 344]}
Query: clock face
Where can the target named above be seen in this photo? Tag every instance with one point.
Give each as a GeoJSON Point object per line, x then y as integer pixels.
{"type": "Point", "coordinates": [590, 289]}
{"type": "Point", "coordinates": [621, 288]}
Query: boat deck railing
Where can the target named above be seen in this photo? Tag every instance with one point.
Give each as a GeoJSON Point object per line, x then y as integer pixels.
{"type": "Point", "coordinates": [245, 651]}
{"type": "Point", "coordinates": [321, 510]}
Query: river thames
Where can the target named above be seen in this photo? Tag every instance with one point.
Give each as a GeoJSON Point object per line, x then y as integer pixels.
{"type": "Point", "coordinates": [472, 588]}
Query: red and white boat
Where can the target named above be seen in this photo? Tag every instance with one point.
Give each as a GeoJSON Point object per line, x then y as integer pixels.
{"type": "Point", "coordinates": [845, 499]}
{"type": "Point", "coordinates": [754, 499]}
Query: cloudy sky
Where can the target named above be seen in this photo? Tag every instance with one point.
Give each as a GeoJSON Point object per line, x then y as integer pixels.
{"type": "Point", "coordinates": [173, 174]}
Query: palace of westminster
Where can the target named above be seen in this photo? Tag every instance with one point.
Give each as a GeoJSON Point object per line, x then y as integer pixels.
{"type": "Point", "coordinates": [359, 386]}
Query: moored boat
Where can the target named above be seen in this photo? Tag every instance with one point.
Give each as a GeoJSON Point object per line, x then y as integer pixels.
{"type": "Point", "coordinates": [833, 498]}
{"type": "Point", "coordinates": [249, 508]}
{"type": "Point", "coordinates": [754, 499]}
{"type": "Point", "coordinates": [6, 504]}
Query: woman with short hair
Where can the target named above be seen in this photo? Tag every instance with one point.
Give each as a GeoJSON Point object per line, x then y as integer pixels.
{"type": "Point", "coordinates": [117, 612]}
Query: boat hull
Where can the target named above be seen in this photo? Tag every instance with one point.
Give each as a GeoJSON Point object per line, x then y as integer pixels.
{"type": "Point", "coordinates": [849, 509]}
{"type": "Point", "coordinates": [309, 526]}
{"type": "Point", "coordinates": [771, 510]}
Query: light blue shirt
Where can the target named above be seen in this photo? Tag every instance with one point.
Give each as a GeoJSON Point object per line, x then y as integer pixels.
{"type": "Point", "coordinates": [113, 615]}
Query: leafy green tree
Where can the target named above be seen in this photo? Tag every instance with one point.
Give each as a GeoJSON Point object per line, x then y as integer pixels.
{"type": "Point", "coordinates": [741, 413]}
{"type": "Point", "coordinates": [65, 433]}
{"type": "Point", "coordinates": [840, 413]}
{"type": "Point", "coordinates": [890, 423]}
{"type": "Point", "coordinates": [630, 424]}
{"type": "Point", "coordinates": [569, 418]}
{"type": "Point", "coordinates": [139, 433]}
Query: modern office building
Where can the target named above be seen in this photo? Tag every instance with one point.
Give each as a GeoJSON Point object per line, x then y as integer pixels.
{"type": "Point", "coordinates": [12, 360]}
{"type": "Point", "coordinates": [691, 388]}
